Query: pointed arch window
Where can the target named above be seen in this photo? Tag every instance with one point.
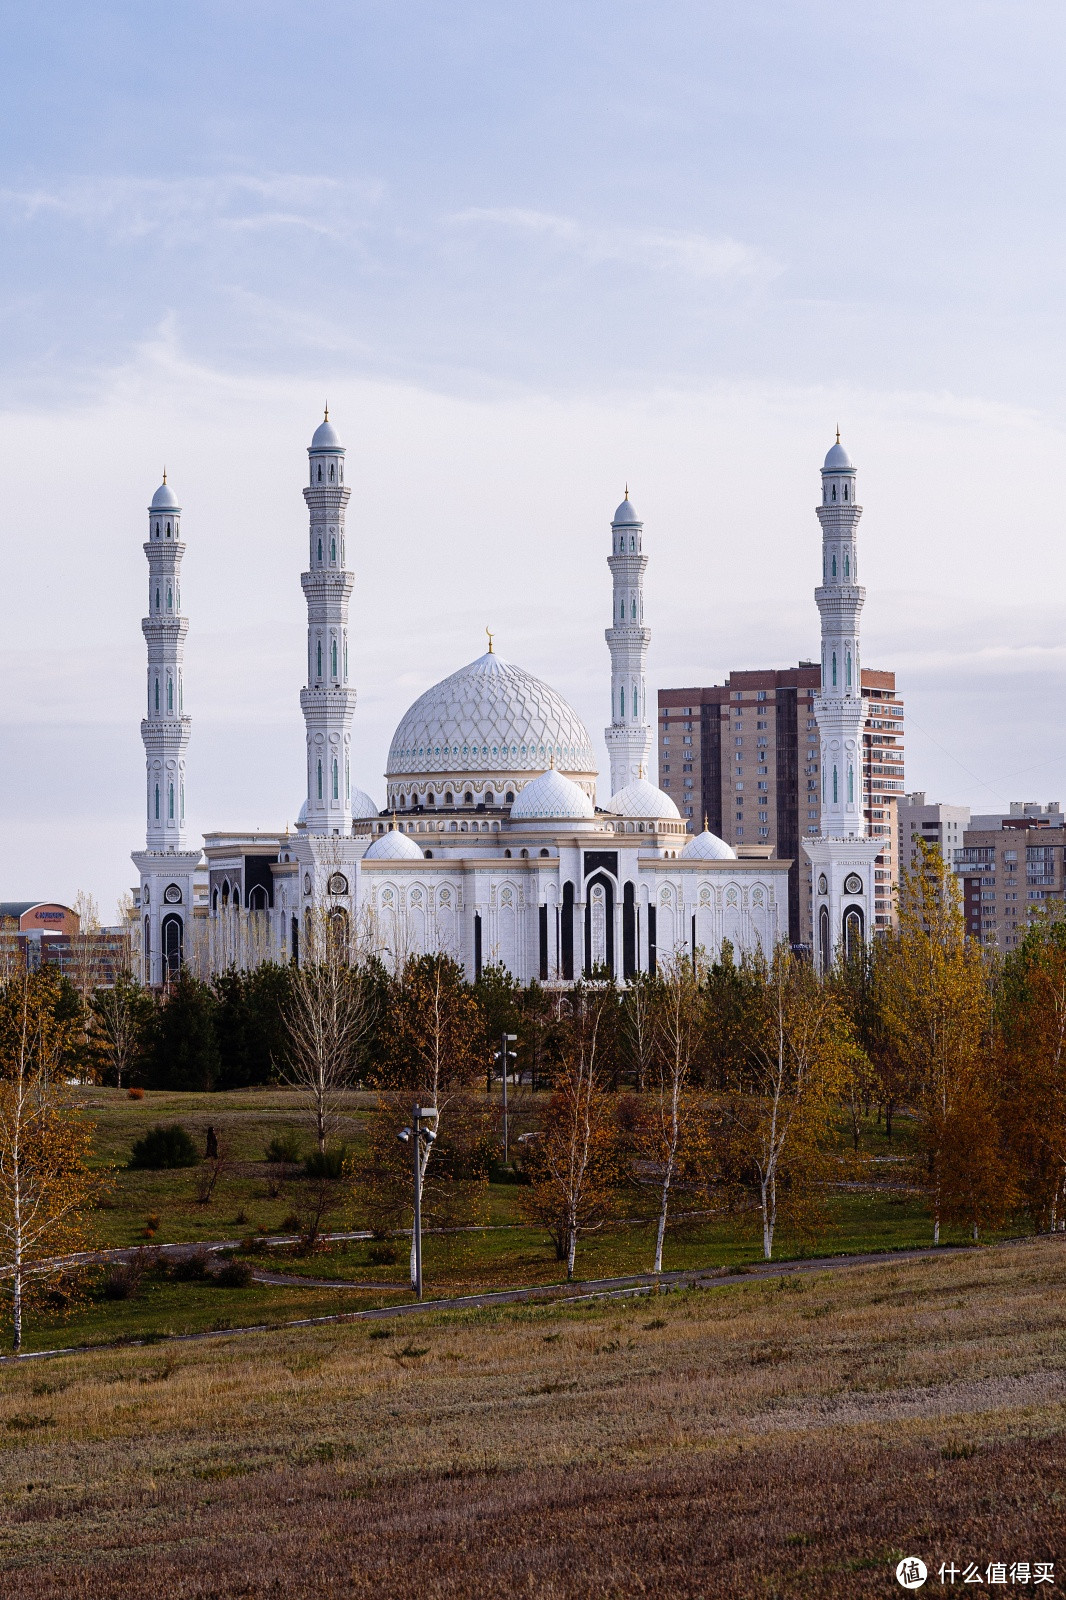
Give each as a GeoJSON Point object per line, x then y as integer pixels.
{"type": "Point", "coordinates": [345, 655]}
{"type": "Point", "coordinates": [334, 654]}
{"type": "Point", "coordinates": [336, 780]}
{"type": "Point", "coordinates": [331, 472]}
{"type": "Point", "coordinates": [320, 550]}
{"type": "Point", "coordinates": [181, 692]}
{"type": "Point", "coordinates": [170, 694]}
{"type": "Point", "coordinates": [320, 472]}
{"type": "Point", "coordinates": [157, 606]}
{"type": "Point", "coordinates": [834, 669]}
{"type": "Point", "coordinates": [633, 542]}
{"type": "Point", "coordinates": [634, 608]}
{"type": "Point", "coordinates": [157, 530]}
{"type": "Point", "coordinates": [347, 779]}
{"type": "Point", "coordinates": [320, 658]}
{"type": "Point", "coordinates": [836, 793]}
{"type": "Point", "coordinates": [157, 802]}
{"type": "Point", "coordinates": [320, 780]}
{"type": "Point", "coordinates": [170, 598]}
{"type": "Point", "coordinates": [168, 530]}
{"type": "Point", "coordinates": [847, 565]}
{"type": "Point", "coordinates": [847, 669]}
{"type": "Point", "coordinates": [834, 566]}
{"type": "Point", "coordinates": [851, 784]}
{"type": "Point", "coordinates": [834, 491]}
{"type": "Point", "coordinates": [333, 549]}
{"type": "Point", "coordinates": [170, 803]}
{"type": "Point", "coordinates": [157, 694]}
{"type": "Point", "coordinates": [845, 491]}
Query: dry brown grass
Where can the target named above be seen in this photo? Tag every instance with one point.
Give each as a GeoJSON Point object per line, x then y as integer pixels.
{"type": "Point", "coordinates": [750, 1441]}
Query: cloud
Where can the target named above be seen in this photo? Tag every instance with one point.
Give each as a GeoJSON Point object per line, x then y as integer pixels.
{"type": "Point", "coordinates": [694, 255]}
{"type": "Point", "coordinates": [135, 207]}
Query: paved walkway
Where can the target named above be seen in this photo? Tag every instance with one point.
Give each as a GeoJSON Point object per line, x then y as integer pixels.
{"type": "Point", "coordinates": [556, 1293]}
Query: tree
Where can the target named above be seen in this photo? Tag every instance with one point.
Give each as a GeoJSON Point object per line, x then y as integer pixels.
{"type": "Point", "coordinates": [46, 1186]}
{"type": "Point", "coordinates": [574, 1165]}
{"type": "Point", "coordinates": [785, 1122]}
{"type": "Point", "coordinates": [637, 1027]}
{"type": "Point", "coordinates": [182, 1046]}
{"type": "Point", "coordinates": [250, 1023]}
{"type": "Point", "coordinates": [676, 1131]}
{"type": "Point", "coordinates": [1030, 1061]}
{"type": "Point", "coordinates": [326, 1024]}
{"type": "Point", "coordinates": [433, 1044]}
{"type": "Point", "coordinates": [118, 1028]}
{"type": "Point", "coordinates": [934, 998]}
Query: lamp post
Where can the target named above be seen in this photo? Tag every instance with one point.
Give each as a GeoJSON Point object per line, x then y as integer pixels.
{"type": "Point", "coordinates": [505, 1055]}
{"type": "Point", "coordinates": [419, 1138]}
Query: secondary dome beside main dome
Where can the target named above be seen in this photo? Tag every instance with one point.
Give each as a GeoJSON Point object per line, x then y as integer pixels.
{"type": "Point", "coordinates": [552, 797]}
{"type": "Point", "coordinates": [641, 799]}
{"type": "Point", "coordinates": [707, 846]}
{"type": "Point", "coordinates": [490, 717]}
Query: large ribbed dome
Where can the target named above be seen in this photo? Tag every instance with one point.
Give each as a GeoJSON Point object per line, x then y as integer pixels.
{"type": "Point", "coordinates": [490, 717]}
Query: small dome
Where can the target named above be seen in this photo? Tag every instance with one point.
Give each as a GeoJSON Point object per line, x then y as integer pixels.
{"type": "Point", "coordinates": [641, 799]}
{"type": "Point", "coordinates": [625, 513]}
{"type": "Point", "coordinates": [325, 437]}
{"type": "Point", "coordinates": [363, 806]}
{"type": "Point", "coordinates": [838, 460]}
{"type": "Point", "coordinates": [164, 499]}
{"type": "Point", "coordinates": [707, 846]}
{"type": "Point", "coordinates": [394, 846]}
{"type": "Point", "coordinates": [552, 796]}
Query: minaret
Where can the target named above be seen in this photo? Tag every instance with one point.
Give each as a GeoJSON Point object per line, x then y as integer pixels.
{"type": "Point", "coordinates": [842, 858]}
{"type": "Point", "coordinates": [166, 865]}
{"type": "Point", "coordinates": [327, 702]}
{"type": "Point", "coordinates": [839, 708]}
{"type": "Point", "coordinates": [628, 737]}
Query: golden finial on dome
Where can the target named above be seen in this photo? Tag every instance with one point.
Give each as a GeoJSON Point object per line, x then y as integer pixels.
{"type": "Point", "coordinates": [627, 491]}
{"type": "Point", "coordinates": [706, 824]}
{"type": "Point", "coordinates": [551, 759]}
{"type": "Point", "coordinates": [838, 433]}
{"type": "Point", "coordinates": [326, 417]}
{"type": "Point", "coordinates": [491, 637]}
{"type": "Point", "coordinates": [164, 474]}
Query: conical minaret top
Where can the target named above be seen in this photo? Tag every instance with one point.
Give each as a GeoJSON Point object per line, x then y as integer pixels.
{"type": "Point", "coordinates": [839, 708]}
{"type": "Point", "coordinates": [328, 702]}
{"type": "Point", "coordinates": [628, 737]}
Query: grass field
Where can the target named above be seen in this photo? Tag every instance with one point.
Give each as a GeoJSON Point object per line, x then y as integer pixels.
{"type": "Point", "coordinates": [788, 1438]}
{"type": "Point", "coordinates": [249, 1197]}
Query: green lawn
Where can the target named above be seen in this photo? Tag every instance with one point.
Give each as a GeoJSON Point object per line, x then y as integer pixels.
{"type": "Point", "coordinates": [249, 1198]}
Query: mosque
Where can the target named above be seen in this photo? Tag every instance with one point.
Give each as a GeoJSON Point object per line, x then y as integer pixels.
{"type": "Point", "coordinates": [493, 845]}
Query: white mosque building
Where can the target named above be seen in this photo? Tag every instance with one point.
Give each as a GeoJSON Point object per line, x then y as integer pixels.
{"type": "Point", "coordinates": [492, 846]}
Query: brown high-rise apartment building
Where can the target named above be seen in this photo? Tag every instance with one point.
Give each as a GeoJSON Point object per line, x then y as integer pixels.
{"type": "Point", "coordinates": [745, 754]}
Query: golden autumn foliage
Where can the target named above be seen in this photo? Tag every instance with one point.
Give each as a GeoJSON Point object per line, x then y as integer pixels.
{"type": "Point", "coordinates": [46, 1186]}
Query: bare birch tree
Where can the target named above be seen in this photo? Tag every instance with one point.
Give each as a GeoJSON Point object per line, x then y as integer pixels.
{"type": "Point", "coordinates": [675, 1129]}
{"type": "Point", "coordinates": [798, 1062]}
{"type": "Point", "coordinates": [573, 1166]}
{"type": "Point", "coordinates": [327, 1021]}
{"type": "Point", "coordinates": [46, 1187]}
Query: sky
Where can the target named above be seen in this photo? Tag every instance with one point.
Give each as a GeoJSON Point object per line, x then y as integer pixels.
{"type": "Point", "coordinates": [529, 254]}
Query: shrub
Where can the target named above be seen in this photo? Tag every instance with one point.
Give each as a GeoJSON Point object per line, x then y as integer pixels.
{"type": "Point", "coordinates": [234, 1275]}
{"type": "Point", "coordinates": [284, 1148]}
{"type": "Point", "coordinates": [122, 1280]}
{"type": "Point", "coordinates": [169, 1146]}
{"type": "Point", "coordinates": [382, 1253]}
{"type": "Point", "coordinates": [325, 1163]}
{"type": "Point", "coordinates": [188, 1269]}
{"type": "Point", "coordinates": [134, 1094]}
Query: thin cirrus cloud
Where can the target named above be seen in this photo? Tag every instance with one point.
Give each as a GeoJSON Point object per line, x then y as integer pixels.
{"type": "Point", "coordinates": [695, 255]}
{"type": "Point", "coordinates": [132, 208]}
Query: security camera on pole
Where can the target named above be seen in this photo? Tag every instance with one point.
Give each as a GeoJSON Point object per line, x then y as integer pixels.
{"type": "Point", "coordinates": [421, 1138]}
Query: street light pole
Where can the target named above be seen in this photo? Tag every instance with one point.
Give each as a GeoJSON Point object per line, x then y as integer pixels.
{"type": "Point", "coordinates": [505, 1056]}
{"type": "Point", "coordinates": [420, 1138]}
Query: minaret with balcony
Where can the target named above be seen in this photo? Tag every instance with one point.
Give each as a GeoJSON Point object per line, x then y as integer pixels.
{"type": "Point", "coordinates": [628, 737]}
{"type": "Point", "coordinates": [842, 857]}
{"type": "Point", "coordinates": [166, 864]}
